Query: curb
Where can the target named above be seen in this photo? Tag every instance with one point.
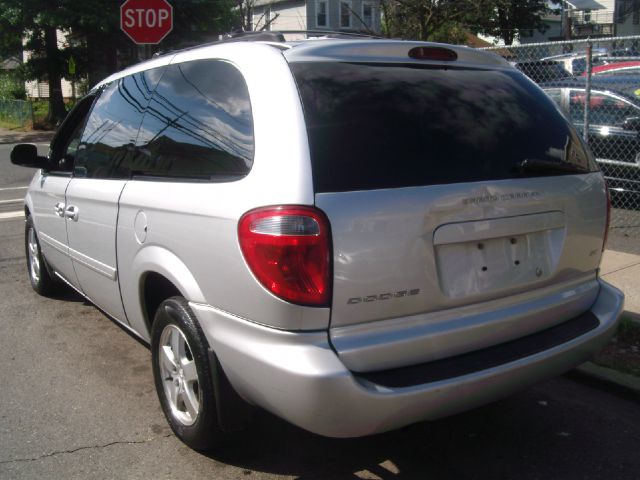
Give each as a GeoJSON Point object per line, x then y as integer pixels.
{"type": "Point", "coordinates": [607, 378]}
{"type": "Point", "coordinates": [26, 137]}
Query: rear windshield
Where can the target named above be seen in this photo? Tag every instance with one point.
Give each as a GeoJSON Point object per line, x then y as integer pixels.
{"type": "Point", "coordinates": [375, 126]}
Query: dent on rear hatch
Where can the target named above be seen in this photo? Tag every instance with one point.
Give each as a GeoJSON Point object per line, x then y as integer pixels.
{"type": "Point", "coordinates": [490, 255]}
{"type": "Point", "coordinates": [431, 241]}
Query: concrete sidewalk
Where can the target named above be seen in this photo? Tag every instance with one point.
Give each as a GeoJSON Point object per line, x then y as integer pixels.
{"type": "Point", "coordinates": [17, 136]}
{"type": "Point", "coordinates": [623, 271]}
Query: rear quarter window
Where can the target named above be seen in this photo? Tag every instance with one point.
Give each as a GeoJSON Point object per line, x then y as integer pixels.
{"type": "Point", "coordinates": [198, 124]}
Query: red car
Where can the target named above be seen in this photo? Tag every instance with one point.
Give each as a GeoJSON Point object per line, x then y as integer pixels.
{"type": "Point", "coordinates": [616, 68]}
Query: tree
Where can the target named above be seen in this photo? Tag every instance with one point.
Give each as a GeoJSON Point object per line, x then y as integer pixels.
{"type": "Point", "coordinates": [36, 22]}
{"type": "Point", "coordinates": [101, 48]}
{"type": "Point", "coordinates": [439, 20]}
{"type": "Point", "coordinates": [95, 40]}
{"type": "Point", "coordinates": [245, 21]}
{"type": "Point", "coordinates": [506, 19]}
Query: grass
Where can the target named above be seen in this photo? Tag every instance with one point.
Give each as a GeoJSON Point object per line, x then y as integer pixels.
{"type": "Point", "coordinates": [623, 352]}
{"type": "Point", "coordinates": [14, 126]}
{"type": "Point", "coordinates": [40, 112]}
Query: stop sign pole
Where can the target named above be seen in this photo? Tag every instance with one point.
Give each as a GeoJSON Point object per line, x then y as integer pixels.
{"type": "Point", "coordinates": [146, 22]}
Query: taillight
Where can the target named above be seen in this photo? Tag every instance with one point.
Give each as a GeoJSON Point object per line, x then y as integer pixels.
{"type": "Point", "coordinates": [606, 226]}
{"type": "Point", "coordinates": [287, 249]}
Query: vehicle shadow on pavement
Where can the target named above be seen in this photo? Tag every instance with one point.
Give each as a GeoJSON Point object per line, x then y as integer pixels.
{"type": "Point", "coordinates": [524, 436]}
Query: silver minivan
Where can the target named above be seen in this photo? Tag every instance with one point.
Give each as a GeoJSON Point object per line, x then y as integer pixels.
{"type": "Point", "coordinates": [352, 234]}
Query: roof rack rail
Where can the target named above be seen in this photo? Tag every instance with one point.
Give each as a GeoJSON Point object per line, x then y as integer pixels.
{"type": "Point", "coordinates": [275, 36]}
{"type": "Point", "coordinates": [333, 33]}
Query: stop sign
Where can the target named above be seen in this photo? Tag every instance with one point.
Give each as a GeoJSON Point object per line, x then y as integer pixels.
{"type": "Point", "coordinates": [146, 21]}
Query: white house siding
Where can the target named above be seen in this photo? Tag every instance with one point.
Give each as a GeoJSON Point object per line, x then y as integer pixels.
{"type": "Point", "coordinates": [356, 6]}
{"type": "Point", "coordinates": [301, 15]}
{"type": "Point", "coordinates": [40, 89]}
{"type": "Point", "coordinates": [291, 16]}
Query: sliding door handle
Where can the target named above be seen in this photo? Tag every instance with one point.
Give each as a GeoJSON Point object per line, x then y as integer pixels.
{"type": "Point", "coordinates": [72, 212]}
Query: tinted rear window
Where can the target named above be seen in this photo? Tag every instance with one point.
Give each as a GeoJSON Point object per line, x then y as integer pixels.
{"type": "Point", "coordinates": [388, 126]}
{"type": "Point", "coordinates": [198, 124]}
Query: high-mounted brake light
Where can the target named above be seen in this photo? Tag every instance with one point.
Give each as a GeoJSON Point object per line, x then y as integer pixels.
{"type": "Point", "coordinates": [433, 53]}
{"type": "Point", "coordinates": [287, 249]}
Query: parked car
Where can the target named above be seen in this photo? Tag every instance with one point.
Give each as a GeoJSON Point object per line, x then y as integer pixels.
{"type": "Point", "coordinates": [616, 68]}
{"type": "Point", "coordinates": [543, 70]}
{"type": "Point", "coordinates": [576, 62]}
{"type": "Point", "coordinates": [352, 234]}
{"type": "Point", "coordinates": [614, 130]}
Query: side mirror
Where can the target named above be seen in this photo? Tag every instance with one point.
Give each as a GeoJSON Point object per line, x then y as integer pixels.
{"type": "Point", "coordinates": [26, 155]}
{"type": "Point", "coordinates": [631, 123]}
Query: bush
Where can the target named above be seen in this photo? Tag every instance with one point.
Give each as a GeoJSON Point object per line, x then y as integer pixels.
{"type": "Point", "coordinates": [12, 87]}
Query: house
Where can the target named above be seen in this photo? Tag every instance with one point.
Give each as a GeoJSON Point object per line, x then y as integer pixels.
{"type": "Point", "coordinates": [552, 29]}
{"type": "Point", "coordinates": [40, 88]}
{"type": "Point", "coordinates": [598, 18]}
{"type": "Point", "coordinates": [590, 18]}
{"type": "Point", "coordinates": [9, 64]}
{"type": "Point", "coordinates": [344, 15]}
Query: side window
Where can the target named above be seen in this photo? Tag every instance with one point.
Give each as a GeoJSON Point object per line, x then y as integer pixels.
{"type": "Point", "coordinates": [322, 7]}
{"type": "Point", "coordinates": [65, 145]}
{"type": "Point", "coordinates": [345, 13]}
{"type": "Point", "coordinates": [110, 133]}
{"type": "Point", "coordinates": [604, 109]}
{"type": "Point", "coordinates": [554, 94]}
{"type": "Point", "coordinates": [198, 125]}
{"type": "Point", "coordinates": [367, 14]}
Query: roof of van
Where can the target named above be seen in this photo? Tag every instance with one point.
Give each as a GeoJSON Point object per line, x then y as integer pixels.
{"type": "Point", "coordinates": [331, 49]}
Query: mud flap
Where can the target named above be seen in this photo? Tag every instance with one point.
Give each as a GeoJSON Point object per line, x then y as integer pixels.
{"type": "Point", "coordinates": [234, 413]}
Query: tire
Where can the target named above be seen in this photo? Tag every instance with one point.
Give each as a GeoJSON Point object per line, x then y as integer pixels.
{"type": "Point", "coordinates": [183, 376]}
{"type": "Point", "coordinates": [40, 277]}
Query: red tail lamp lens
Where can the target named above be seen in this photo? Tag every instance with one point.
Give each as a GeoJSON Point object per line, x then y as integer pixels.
{"type": "Point", "coordinates": [287, 249]}
{"type": "Point", "coordinates": [433, 53]}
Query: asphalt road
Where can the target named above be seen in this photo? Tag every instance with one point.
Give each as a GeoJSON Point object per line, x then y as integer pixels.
{"type": "Point", "coordinates": [77, 401]}
{"type": "Point", "coordinates": [13, 180]}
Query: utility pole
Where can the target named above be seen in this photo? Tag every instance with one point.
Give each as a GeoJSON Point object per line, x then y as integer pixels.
{"type": "Point", "coordinates": [565, 21]}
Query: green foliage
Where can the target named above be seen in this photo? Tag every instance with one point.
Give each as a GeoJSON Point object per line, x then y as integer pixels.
{"type": "Point", "coordinates": [12, 87]}
{"type": "Point", "coordinates": [450, 20]}
{"type": "Point", "coordinates": [95, 40]}
{"type": "Point", "coordinates": [507, 18]}
{"type": "Point", "coordinates": [440, 20]}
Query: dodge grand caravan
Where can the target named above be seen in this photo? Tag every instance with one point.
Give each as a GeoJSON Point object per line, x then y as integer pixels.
{"type": "Point", "coordinates": [352, 234]}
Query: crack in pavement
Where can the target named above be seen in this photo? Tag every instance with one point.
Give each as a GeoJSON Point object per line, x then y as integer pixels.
{"type": "Point", "coordinates": [620, 269]}
{"type": "Point", "coordinates": [89, 447]}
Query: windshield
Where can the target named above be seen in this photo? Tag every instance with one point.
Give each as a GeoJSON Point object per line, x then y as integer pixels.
{"type": "Point", "coordinates": [375, 126]}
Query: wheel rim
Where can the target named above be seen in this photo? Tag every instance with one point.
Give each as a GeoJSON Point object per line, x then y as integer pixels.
{"type": "Point", "coordinates": [34, 256]}
{"type": "Point", "coordinates": [179, 375]}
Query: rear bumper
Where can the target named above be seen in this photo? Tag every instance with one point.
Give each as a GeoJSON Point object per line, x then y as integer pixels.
{"type": "Point", "coordinates": [297, 376]}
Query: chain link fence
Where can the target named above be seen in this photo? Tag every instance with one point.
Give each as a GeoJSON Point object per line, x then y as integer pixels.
{"type": "Point", "coordinates": [596, 83]}
{"type": "Point", "coordinates": [16, 112]}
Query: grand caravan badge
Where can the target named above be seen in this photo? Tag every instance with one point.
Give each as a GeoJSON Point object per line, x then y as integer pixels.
{"type": "Point", "coordinates": [383, 296]}
{"type": "Point", "coordinates": [501, 197]}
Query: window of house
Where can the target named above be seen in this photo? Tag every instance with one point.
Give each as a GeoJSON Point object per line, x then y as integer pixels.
{"type": "Point", "coordinates": [322, 13]}
{"type": "Point", "coordinates": [367, 14]}
{"type": "Point", "coordinates": [345, 14]}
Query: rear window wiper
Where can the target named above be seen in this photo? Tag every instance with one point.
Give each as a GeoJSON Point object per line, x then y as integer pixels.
{"type": "Point", "coordinates": [536, 165]}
